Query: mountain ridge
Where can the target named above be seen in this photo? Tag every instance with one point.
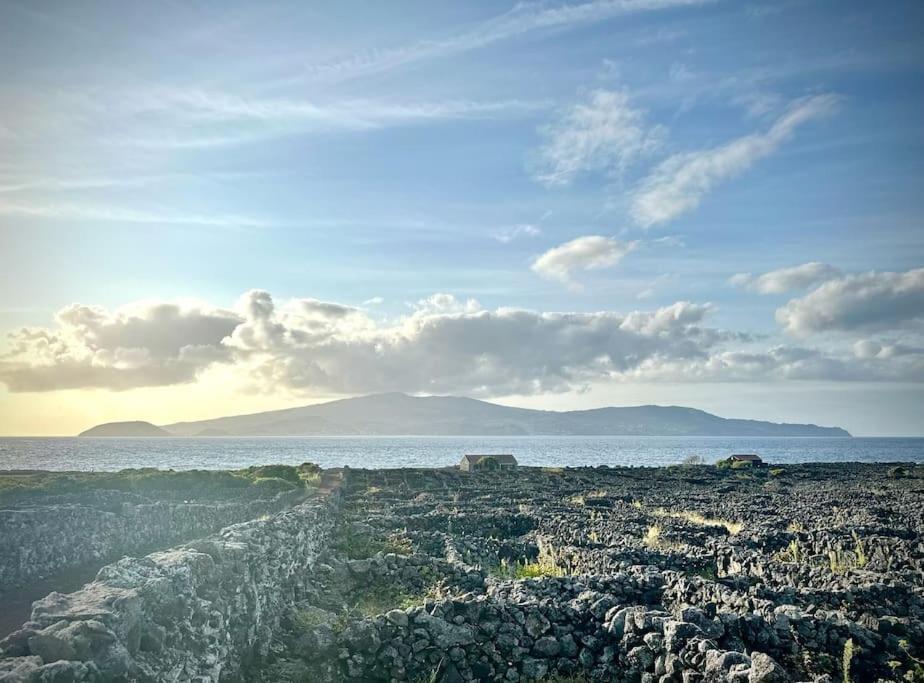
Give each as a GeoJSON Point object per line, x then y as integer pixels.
{"type": "Point", "coordinates": [395, 414]}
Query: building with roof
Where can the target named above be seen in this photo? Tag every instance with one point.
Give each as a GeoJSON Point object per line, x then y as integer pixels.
{"type": "Point", "coordinates": [476, 462]}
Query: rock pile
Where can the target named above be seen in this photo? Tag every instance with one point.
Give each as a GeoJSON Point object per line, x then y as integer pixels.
{"type": "Point", "coordinates": [808, 573]}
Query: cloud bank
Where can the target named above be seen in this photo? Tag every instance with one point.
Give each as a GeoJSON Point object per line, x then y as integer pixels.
{"type": "Point", "coordinates": [867, 301]}
{"type": "Point", "coordinates": [786, 279]}
{"type": "Point", "coordinates": [445, 345]}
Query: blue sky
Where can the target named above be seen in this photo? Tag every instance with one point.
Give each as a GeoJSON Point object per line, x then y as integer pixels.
{"type": "Point", "coordinates": [584, 158]}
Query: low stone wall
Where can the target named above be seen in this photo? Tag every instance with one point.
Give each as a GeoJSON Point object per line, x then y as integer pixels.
{"type": "Point", "coordinates": [42, 541]}
{"type": "Point", "coordinates": [196, 612]}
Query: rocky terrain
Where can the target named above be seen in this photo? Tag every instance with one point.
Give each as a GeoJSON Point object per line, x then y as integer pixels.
{"type": "Point", "coordinates": [687, 573]}
{"type": "Point", "coordinates": [802, 573]}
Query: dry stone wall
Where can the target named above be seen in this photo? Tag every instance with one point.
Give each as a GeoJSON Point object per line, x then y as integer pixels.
{"type": "Point", "coordinates": [199, 612]}
{"type": "Point", "coordinates": [44, 540]}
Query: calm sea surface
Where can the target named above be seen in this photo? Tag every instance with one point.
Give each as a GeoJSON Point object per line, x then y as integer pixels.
{"type": "Point", "coordinates": [69, 453]}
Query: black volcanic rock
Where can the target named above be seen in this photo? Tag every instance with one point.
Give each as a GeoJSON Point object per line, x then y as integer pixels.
{"type": "Point", "coordinates": [133, 428]}
{"type": "Point", "coordinates": [400, 414]}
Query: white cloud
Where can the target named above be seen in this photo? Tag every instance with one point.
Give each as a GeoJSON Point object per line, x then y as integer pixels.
{"type": "Point", "coordinates": [786, 279]}
{"type": "Point", "coordinates": [216, 106]}
{"type": "Point", "coordinates": [146, 344]}
{"type": "Point", "coordinates": [603, 134]}
{"type": "Point", "coordinates": [444, 345]}
{"type": "Point", "coordinates": [514, 232]}
{"type": "Point", "coordinates": [591, 252]}
{"type": "Point", "coordinates": [678, 183]}
{"type": "Point", "coordinates": [867, 301]}
{"type": "Point", "coordinates": [62, 210]}
{"type": "Point", "coordinates": [522, 19]}
{"type": "Point", "coordinates": [374, 301]}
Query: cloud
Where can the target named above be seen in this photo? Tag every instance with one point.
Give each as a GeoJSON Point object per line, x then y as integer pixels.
{"type": "Point", "coordinates": [678, 184]}
{"type": "Point", "coordinates": [304, 345]}
{"type": "Point", "coordinates": [591, 252]}
{"type": "Point", "coordinates": [146, 344]}
{"type": "Point", "coordinates": [522, 19]}
{"type": "Point", "coordinates": [786, 279]}
{"type": "Point", "coordinates": [785, 363]}
{"type": "Point", "coordinates": [121, 215]}
{"type": "Point", "coordinates": [374, 301]}
{"type": "Point", "coordinates": [210, 107]}
{"type": "Point", "coordinates": [443, 345]}
{"type": "Point", "coordinates": [867, 301]}
{"type": "Point", "coordinates": [514, 232]}
{"type": "Point", "coordinates": [604, 134]}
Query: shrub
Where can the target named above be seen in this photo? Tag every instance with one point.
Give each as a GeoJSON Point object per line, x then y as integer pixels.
{"type": "Point", "coordinates": [274, 484]}
{"type": "Point", "coordinates": [287, 472]}
{"type": "Point", "coordinates": [692, 460]}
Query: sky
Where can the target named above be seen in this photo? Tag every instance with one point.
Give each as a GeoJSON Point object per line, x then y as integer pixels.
{"type": "Point", "coordinates": [212, 208]}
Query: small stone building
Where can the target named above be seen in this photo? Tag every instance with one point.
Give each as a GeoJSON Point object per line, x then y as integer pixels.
{"type": "Point", "coordinates": [477, 462]}
{"type": "Point", "coordinates": [751, 458]}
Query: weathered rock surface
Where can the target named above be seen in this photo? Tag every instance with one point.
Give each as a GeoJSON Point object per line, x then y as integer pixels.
{"type": "Point", "coordinates": [195, 612]}
{"type": "Point", "coordinates": [677, 574]}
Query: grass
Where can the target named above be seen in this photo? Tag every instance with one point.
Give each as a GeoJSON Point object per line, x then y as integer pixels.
{"type": "Point", "coordinates": [847, 659]}
{"type": "Point", "coordinates": [362, 547]}
{"type": "Point", "coordinates": [170, 484]}
{"type": "Point", "coordinates": [652, 537]}
{"type": "Point", "coordinates": [792, 553]}
{"type": "Point", "coordinates": [700, 520]}
{"type": "Point", "coordinates": [527, 569]}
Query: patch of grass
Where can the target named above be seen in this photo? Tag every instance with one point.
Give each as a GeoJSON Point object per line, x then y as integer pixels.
{"type": "Point", "coordinates": [553, 470]}
{"type": "Point", "coordinates": [701, 520]}
{"type": "Point", "coordinates": [709, 573]}
{"type": "Point", "coordinates": [795, 527]}
{"type": "Point", "coordinates": [776, 471]}
{"type": "Point", "coordinates": [637, 504]}
{"type": "Point", "coordinates": [847, 659]}
{"type": "Point", "coordinates": [274, 484]}
{"type": "Point", "coordinates": [361, 547]}
{"type": "Point", "coordinates": [859, 550]}
{"type": "Point", "coordinates": [792, 553]}
{"type": "Point", "coordinates": [652, 537]}
{"type": "Point", "coordinates": [153, 482]}
{"type": "Point", "coordinates": [527, 569]}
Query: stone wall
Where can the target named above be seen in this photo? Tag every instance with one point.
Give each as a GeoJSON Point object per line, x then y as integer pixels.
{"type": "Point", "coordinates": [44, 540]}
{"type": "Point", "coordinates": [200, 611]}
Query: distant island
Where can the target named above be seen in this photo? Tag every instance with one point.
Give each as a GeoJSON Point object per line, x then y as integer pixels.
{"type": "Point", "coordinates": [135, 428]}
{"type": "Point", "coordinates": [399, 414]}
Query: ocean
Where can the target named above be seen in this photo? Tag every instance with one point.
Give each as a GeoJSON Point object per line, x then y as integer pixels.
{"type": "Point", "coordinates": [72, 453]}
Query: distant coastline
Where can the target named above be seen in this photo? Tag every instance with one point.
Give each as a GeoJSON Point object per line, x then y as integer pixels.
{"type": "Point", "coordinates": [398, 414]}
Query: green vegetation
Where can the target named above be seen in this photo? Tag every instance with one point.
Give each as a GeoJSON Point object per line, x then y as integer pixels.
{"type": "Point", "coordinates": [379, 599]}
{"type": "Point", "coordinates": [709, 573]}
{"type": "Point", "coordinates": [360, 547]}
{"type": "Point", "coordinates": [700, 520]}
{"type": "Point", "coordinates": [793, 552]}
{"type": "Point", "coordinates": [527, 569]}
{"type": "Point", "coordinates": [652, 537]}
{"type": "Point", "coordinates": [847, 659]}
{"type": "Point", "coordinates": [776, 471]}
{"type": "Point", "coordinates": [167, 484]}
{"type": "Point", "coordinates": [693, 460]}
